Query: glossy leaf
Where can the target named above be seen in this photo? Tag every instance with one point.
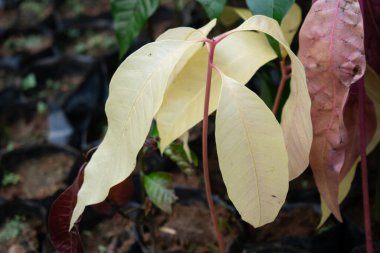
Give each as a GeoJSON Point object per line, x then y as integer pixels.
{"type": "Point", "coordinates": [213, 8]}
{"type": "Point", "coordinates": [136, 93]}
{"type": "Point", "coordinates": [372, 82]}
{"type": "Point", "coordinates": [332, 51]}
{"type": "Point", "coordinates": [275, 9]}
{"type": "Point", "coordinates": [296, 121]}
{"type": "Point", "coordinates": [239, 55]}
{"type": "Point", "coordinates": [129, 18]}
{"type": "Point", "coordinates": [158, 186]}
{"type": "Point", "coordinates": [248, 136]}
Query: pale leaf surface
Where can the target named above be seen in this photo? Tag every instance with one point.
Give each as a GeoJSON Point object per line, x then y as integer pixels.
{"type": "Point", "coordinates": [332, 51]}
{"type": "Point", "coordinates": [251, 152]}
{"type": "Point", "coordinates": [296, 119]}
{"type": "Point", "coordinates": [239, 55]}
{"type": "Point", "coordinates": [372, 84]}
{"type": "Point", "coordinates": [290, 24]}
{"type": "Point", "coordinates": [136, 93]}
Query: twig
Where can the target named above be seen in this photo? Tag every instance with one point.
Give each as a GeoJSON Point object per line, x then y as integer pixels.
{"type": "Point", "coordinates": [363, 163]}
{"type": "Point", "coordinates": [211, 46]}
{"type": "Point", "coordinates": [284, 77]}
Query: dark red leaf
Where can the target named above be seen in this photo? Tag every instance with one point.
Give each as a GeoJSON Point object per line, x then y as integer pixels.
{"type": "Point", "coordinates": [63, 240]}
{"type": "Point", "coordinates": [372, 33]}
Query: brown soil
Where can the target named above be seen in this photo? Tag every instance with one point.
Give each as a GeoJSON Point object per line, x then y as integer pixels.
{"type": "Point", "coordinates": [297, 221]}
{"type": "Point", "coordinates": [24, 132]}
{"type": "Point", "coordinates": [24, 237]}
{"type": "Point", "coordinates": [40, 177]}
{"type": "Point", "coordinates": [7, 18]}
{"type": "Point", "coordinates": [91, 8]}
{"type": "Point", "coordinates": [189, 229]}
{"type": "Point", "coordinates": [112, 235]}
{"type": "Point", "coordinates": [28, 44]}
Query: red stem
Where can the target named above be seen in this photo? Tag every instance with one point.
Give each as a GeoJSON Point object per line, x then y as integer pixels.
{"type": "Point", "coordinates": [363, 154]}
{"type": "Point", "coordinates": [206, 174]}
{"type": "Point", "coordinates": [281, 86]}
{"type": "Point", "coordinates": [366, 204]}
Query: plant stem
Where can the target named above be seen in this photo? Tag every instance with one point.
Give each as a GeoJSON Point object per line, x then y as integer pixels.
{"type": "Point", "coordinates": [281, 86]}
{"type": "Point", "coordinates": [206, 174]}
{"type": "Point", "coordinates": [363, 163]}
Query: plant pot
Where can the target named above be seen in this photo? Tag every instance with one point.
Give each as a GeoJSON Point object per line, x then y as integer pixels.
{"type": "Point", "coordinates": [18, 50]}
{"type": "Point", "coordinates": [37, 173]}
{"type": "Point", "coordinates": [33, 13]}
{"type": "Point", "coordinates": [8, 18]}
{"type": "Point", "coordinates": [98, 41]}
{"type": "Point", "coordinates": [21, 227]}
{"type": "Point", "coordinates": [79, 12]}
{"type": "Point", "coordinates": [56, 78]}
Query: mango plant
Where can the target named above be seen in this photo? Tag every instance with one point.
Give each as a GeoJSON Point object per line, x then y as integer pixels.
{"type": "Point", "coordinates": [332, 114]}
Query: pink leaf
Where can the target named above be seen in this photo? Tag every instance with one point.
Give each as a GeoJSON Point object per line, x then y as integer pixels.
{"type": "Point", "coordinates": [332, 51]}
{"type": "Point", "coordinates": [351, 120]}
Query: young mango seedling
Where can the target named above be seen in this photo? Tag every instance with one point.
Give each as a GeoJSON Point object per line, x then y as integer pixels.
{"type": "Point", "coordinates": [179, 80]}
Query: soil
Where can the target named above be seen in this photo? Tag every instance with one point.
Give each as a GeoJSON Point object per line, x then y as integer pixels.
{"type": "Point", "coordinates": [19, 235]}
{"type": "Point", "coordinates": [27, 44]}
{"type": "Point", "coordinates": [73, 8]}
{"type": "Point", "coordinates": [94, 43]}
{"type": "Point", "coordinates": [40, 177]}
{"type": "Point", "coordinates": [189, 229]}
{"type": "Point", "coordinates": [291, 222]}
{"type": "Point", "coordinates": [25, 132]}
{"type": "Point", "coordinates": [112, 235]}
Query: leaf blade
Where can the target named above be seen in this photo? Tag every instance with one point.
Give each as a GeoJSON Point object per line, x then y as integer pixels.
{"type": "Point", "coordinates": [133, 101]}
{"type": "Point", "coordinates": [331, 49]}
{"type": "Point", "coordinates": [129, 19]}
{"type": "Point", "coordinates": [213, 8]}
{"type": "Point", "coordinates": [187, 90]}
{"type": "Point", "coordinates": [296, 119]}
{"type": "Point", "coordinates": [372, 81]}
{"type": "Point", "coordinates": [275, 9]}
{"type": "Point", "coordinates": [248, 136]}
{"type": "Point", "coordinates": [157, 185]}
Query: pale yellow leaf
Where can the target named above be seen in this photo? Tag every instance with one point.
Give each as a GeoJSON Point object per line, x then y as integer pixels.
{"type": "Point", "coordinates": [136, 92]}
{"type": "Point", "coordinates": [372, 84]}
{"type": "Point", "coordinates": [296, 119]}
{"type": "Point", "coordinates": [239, 55]}
{"type": "Point", "coordinates": [251, 152]}
{"type": "Point", "coordinates": [188, 33]}
{"type": "Point", "coordinates": [290, 24]}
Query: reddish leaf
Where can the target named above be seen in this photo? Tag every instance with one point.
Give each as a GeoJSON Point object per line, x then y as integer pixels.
{"type": "Point", "coordinates": [372, 33]}
{"type": "Point", "coordinates": [119, 195]}
{"type": "Point", "coordinates": [63, 240]}
{"type": "Point", "coordinates": [61, 210]}
{"type": "Point", "coordinates": [332, 51]}
{"type": "Point", "coordinates": [351, 120]}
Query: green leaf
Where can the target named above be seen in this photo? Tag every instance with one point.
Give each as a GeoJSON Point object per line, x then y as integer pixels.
{"type": "Point", "coordinates": [129, 19]}
{"type": "Point", "coordinates": [158, 187]}
{"type": "Point", "coordinates": [213, 8]}
{"type": "Point", "coordinates": [177, 153]}
{"type": "Point", "coordinates": [275, 9]}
